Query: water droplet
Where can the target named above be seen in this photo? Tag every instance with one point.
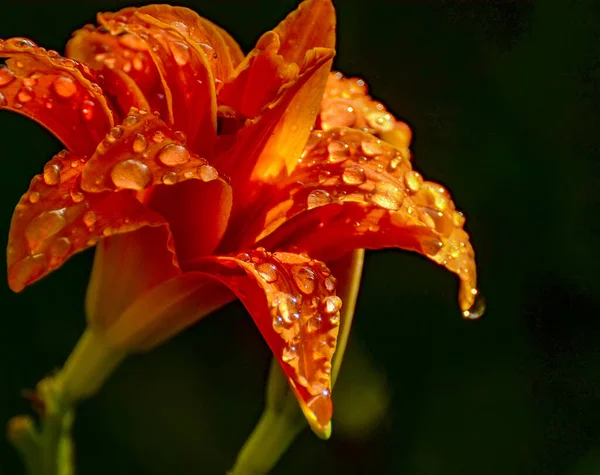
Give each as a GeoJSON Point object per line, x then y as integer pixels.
{"type": "Point", "coordinates": [394, 162]}
{"type": "Point", "coordinates": [268, 272]}
{"type": "Point", "coordinates": [138, 62]}
{"type": "Point", "coordinates": [6, 76]}
{"type": "Point", "coordinates": [477, 309]}
{"type": "Point", "coordinates": [338, 151]}
{"type": "Point", "coordinates": [25, 94]}
{"type": "Point", "coordinates": [321, 407]}
{"type": "Point", "coordinates": [87, 110]}
{"type": "Point", "coordinates": [139, 143]}
{"type": "Point", "coordinates": [330, 283]}
{"type": "Point", "coordinates": [3, 100]}
{"type": "Point", "coordinates": [52, 174]}
{"type": "Point", "coordinates": [314, 324]}
{"type": "Point", "coordinates": [289, 353]}
{"type": "Point", "coordinates": [34, 197]}
{"type": "Point", "coordinates": [380, 120]}
{"type": "Point", "coordinates": [332, 304]}
{"type": "Point", "coordinates": [318, 198]}
{"type": "Point", "coordinates": [169, 178]}
{"type": "Point", "coordinates": [354, 175]}
{"type": "Point", "coordinates": [286, 306]}
{"type": "Point", "coordinates": [158, 136]}
{"type": "Point", "coordinates": [413, 180]}
{"type": "Point", "coordinates": [207, 173]}
{"type": "Point", "coordinates": [180, 27]}
{"type": "Point", "coordinates": [64, 87]}
{"type": "Point", "coordinates": [181, 52]}
{"type": "Point", "coordinates": [43, 226]}
{"type": "Point", "coordinates": [372, 147]}
{"type": "Point", "coordinates": [278, 324]}
{"type": "Point", "coordinates": [29, 82]}
{"type": "Point", "coordinates": [132, 42]}
{"type": "Point", "coordinates": [114, 134]}
{"type": "Point", "coordinates": [179, 135]}
{"type": "Point", "coordinates": [385, 195]}
{"type": "Point", "coordinates": [90, 218]}
{"type": "Point", "coordinates": [305, 279]}
{"type": "Point", "coordinates": [76, 196]}
{"type": "Point", "coordinates": [130, 121]}
{"type": "Point", "coordinates": [173, 154]}
{"type": "Point", "coordinates": [131, 174]}
{"type": "Point", "coordinates": [60, 247]}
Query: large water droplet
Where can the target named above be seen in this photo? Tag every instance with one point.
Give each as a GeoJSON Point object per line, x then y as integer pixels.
{"type": "Point", "coordinates": [52, 174]}
{"type": "Point", "coordinates": [139, 143]}
{"type": "Point", "coordinates": [372, 147]}
{"type": "Point", "coordinates": [169, 178]}
{"type": "Point", "coordinates": [354, 175]}
{"type": "Point", "coordinates": [386, 196]}
{"type": "Point", "coordinates": [477, 309]}
{"type": "Point", "coordinates": [318, 198]}
{"type": "Point", "coordinates": [181, 52]}
{"type": "Point", "coordinates": [131, 174]}
{"type": "Point", "coordinates": [338, 151]}
{"type": "Point", "coordinates": [6, 76]}
{"type": "Point", "coordinates": [43, 226]}
{"type": "Point", "coordinates": [64, 87]}
{"type": "Point", "coordinates": [305, 279]}
{"type": "Point", "coordinates": [207, 173]}
{"type": "Point", "coordinates": [332, 304]}
{"type": "Point", "coordinates": [413, 180]}
{"type": "Point", "coordinates": [268, 272]}
{"type": "Point", "coordinates": [173, 155]}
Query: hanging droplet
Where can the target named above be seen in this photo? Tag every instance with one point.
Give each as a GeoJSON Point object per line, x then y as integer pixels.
{"type": "Point", "coordinates": [477, 309]}
{"type": "Point", "coordinates": [386, 196]}
{"type": "Point", "coordinates": [131, 174]}
{"type": "Point", "coordinates": [64, 87]}
{"type": "Point", "coordinates": [173, 154]}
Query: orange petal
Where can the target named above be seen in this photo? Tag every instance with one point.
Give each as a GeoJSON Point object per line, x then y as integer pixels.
{"type": "Point", "coordinates": [293, 303]}
{"type": "Point", "coordinates": [353, 191]}
{"type": "Point", "coordinates": [56, 219]}
{"type": "Point", "coordinates": [347, 104]}
{"type": "Point", "coordinates": [130, 77]}
{"type": "Point", "coordinates": [184, 69]}
{"type": "Point", "coordinates": [143, 152]}
{"type": "Point", "coordinates": [222, 52]}
{"type": "Point", "coordinates": [61, 94]}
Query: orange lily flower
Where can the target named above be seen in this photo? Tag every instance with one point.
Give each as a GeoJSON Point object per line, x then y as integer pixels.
{"type": "Point", "coordinates": [203, 175]}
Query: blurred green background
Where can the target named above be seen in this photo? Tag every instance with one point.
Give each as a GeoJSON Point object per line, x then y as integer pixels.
{"type": "Point", "coordinates": [502, 98]}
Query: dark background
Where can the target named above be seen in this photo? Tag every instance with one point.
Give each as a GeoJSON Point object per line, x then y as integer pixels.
{"type": "Point", "coordinates": [503, 101]}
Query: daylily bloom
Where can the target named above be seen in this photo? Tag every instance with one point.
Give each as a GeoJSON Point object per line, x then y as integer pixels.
{"type": "Point", "coordinates": [203, 175]}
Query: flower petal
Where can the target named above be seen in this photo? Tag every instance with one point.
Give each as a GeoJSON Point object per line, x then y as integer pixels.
{"type": "Point", "coordinates": [59, 93]}
{"type": "Point", "coordinates": [355, 191]}
{"type": "Point", "coordinates": [347, 104]}
{"type": "Point", "coordinates": [184, 69]}
{"type": "Point", "coordinates": [130, 75]}
{"type": "Point", "coordinates": [143, 152]}
{"type": "Point", "coordinates": [56, 219]}
{"type": "Point", "coordinates": [293, 303]}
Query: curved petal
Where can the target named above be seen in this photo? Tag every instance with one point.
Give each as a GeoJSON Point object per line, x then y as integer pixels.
{"type": "Point", "coordinates": [292, 300]}
{"type": "Point", "coordinates": [355, 191]}
{"type": "Point", "coordinates": [130, 77]}
{"type": "Point", "coordinates": [143, 152]}
{"type": "Point", "coordinates": [59, 93]}
{"type": "Point", "coordinates": [56, 219]}
{"type": "Point", "coordinates": [184, 69]}
{"type": "Point", "coordinates": [347, 104]}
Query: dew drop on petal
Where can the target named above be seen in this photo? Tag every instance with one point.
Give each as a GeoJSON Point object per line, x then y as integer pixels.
{"type": "Point", "coordinates": [354, 175]}
{"type": "Point", "coordinates": [314, 324]}
{"type": "Point", "coordinates": [289, 353]}
{"type": "Point", "coordinates": [173, 155]}
{"type": "Point", "coordinates": [139, 143]}
{"type": "Point", "coordinates": [305, 279]}
{"type": "Point", "coordinates": [52, 174]}
{"type": "Point", "coordinates": [25, 94]}
{"type": "Point", "coordinates": [34, 197]}
{"type": "Point", "coordinates": [181, 52]}
{"type": "Point", "coordinates": [43, 226]}
{"type": "Point", "coordinates": [413, 180]}
{"type": "Point", "coordinates": [207, 173]}
{"type": "Point", "coordinates": [114, 134]}
{"type": "Point", "coordinates": [6, 76]}
{"type": "Point", "coordinates": [3, 100]}
{"type": "Point", "coordinates": [158, 136]}
{"type": "Point", "coordinates": [169, 178]}
{"type": "Point", "coordinates": [268, 272]}
{"type": "Point", "coordinates": [87, 110]}
{"type": "Point", "coordinates": [380, 120]}
{"type": "Point", "coordinates": [60, 247]}
{"type": "Point", "coordinates": [318, 198]}
{"type": "Point", "coordinates": [90, 218]}
{"type": "Point", "coordinates": [386, 196]}
{"type": "Point", "coordinates": [338, 151]}
{"type": "Point", "coordinates": [278, 324]}
{"type": "Point", "coordinates": [130, 121]}
{"type": "Point", "coordinates": [332, 304]}
{"type": "Point", "coordinates": [131, 174]}
{"type": "Point", "coordinates": [76, 196]}
{"type": "Point", "coordinates": [477, 309]}
{"type": "Point", "coordinates": [330, 283]}
{"type": "Point", "coordinates": [371, 147]}
{"type": "Point", "coordinates": [64, 87]}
